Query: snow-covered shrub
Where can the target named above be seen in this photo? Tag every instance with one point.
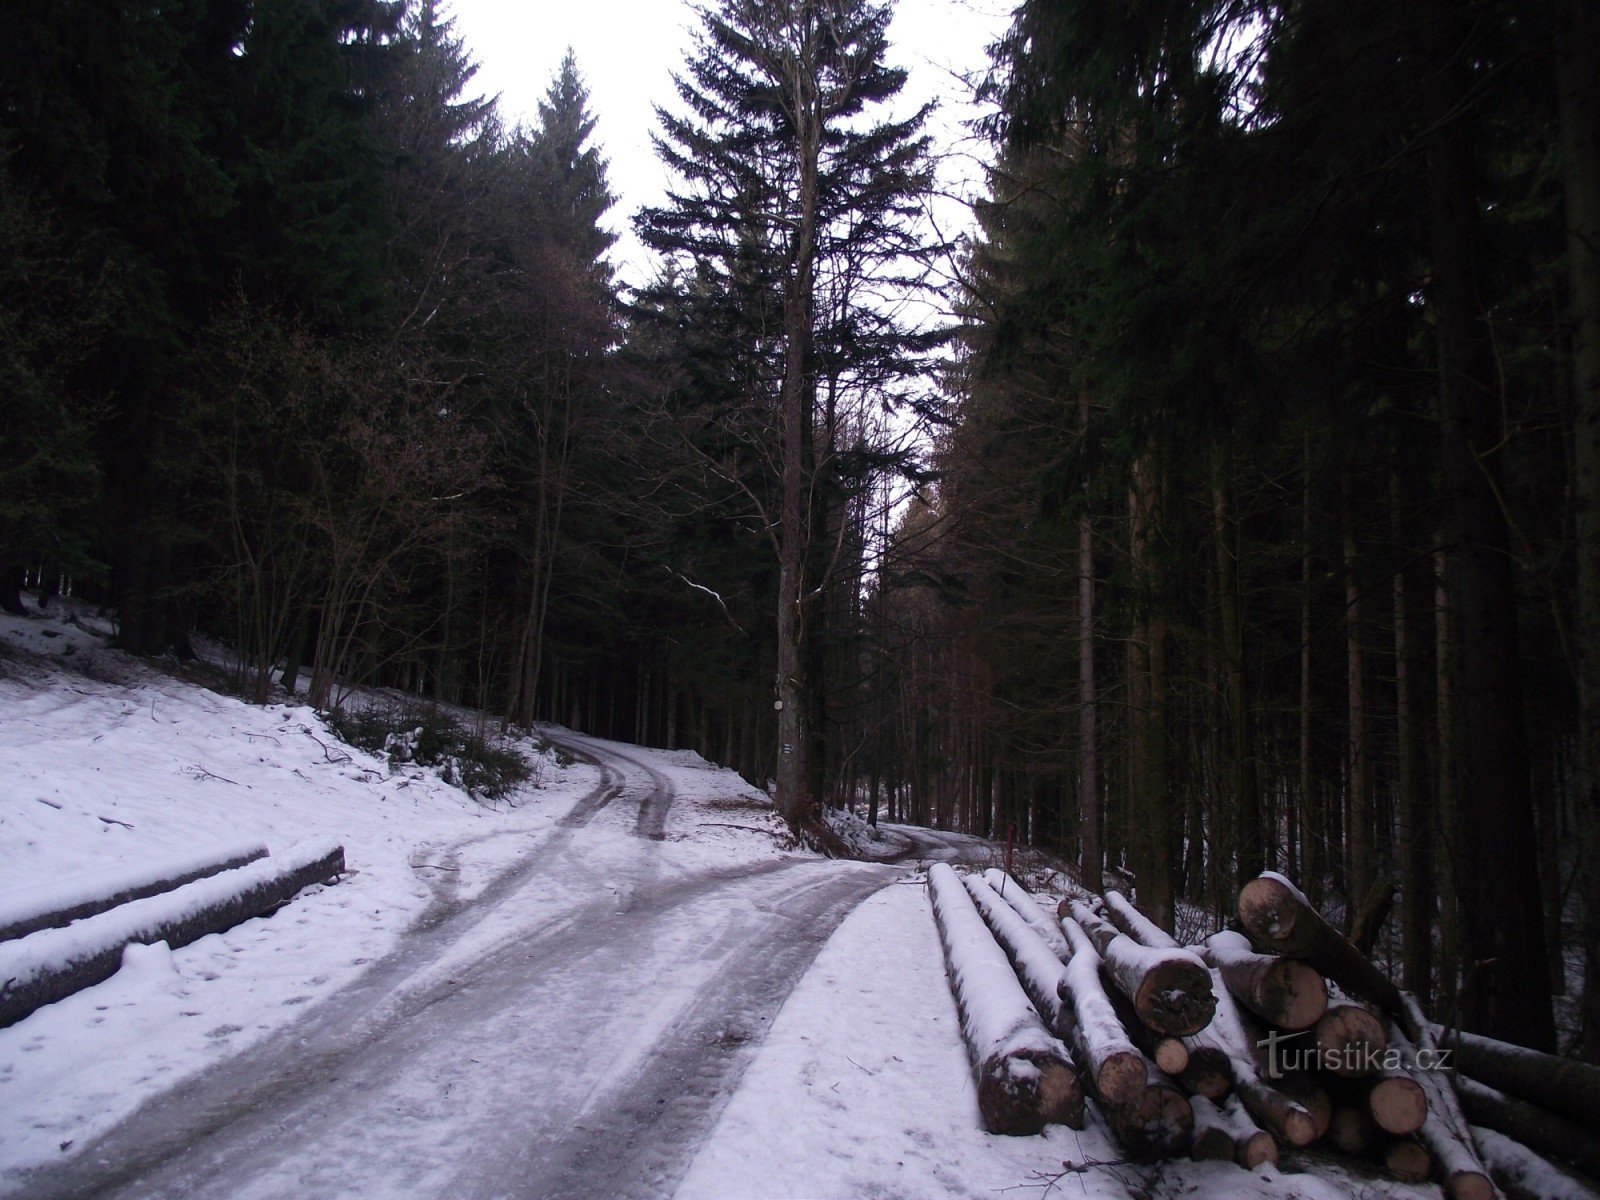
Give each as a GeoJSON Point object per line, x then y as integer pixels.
{"type": "Point", "coordinates": [478, 764]}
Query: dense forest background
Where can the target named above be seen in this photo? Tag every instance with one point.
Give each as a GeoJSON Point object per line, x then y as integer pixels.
{"type": "Point", "coordinates": [1242, 515]}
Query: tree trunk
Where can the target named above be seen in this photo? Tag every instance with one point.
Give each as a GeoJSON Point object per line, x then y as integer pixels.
{"type": "Point", "coordinates": [1416, 829]}
{"type": "Point", "coordinates": [1497, 875]}
{"type": "Point", "coordinates": [1091, 855]}
{"type": "Point", "coordinates": [1251, 852]}
{"type": "Point", "coordinates": [1577, 67]}
{"type": "Point", "coordinates": [1358, 831]}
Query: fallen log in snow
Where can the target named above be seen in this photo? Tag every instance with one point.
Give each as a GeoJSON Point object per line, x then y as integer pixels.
{"type": "Point", "coordinates": [1248, 1144]}
{"type": "Point", "coordinates": [1170, 989]}
{"type": "Point", "coordinates": [1209, 1071]}
{"type": "Point", "coordinates": [1395, 1102]}
{"type": "Point", "coordinates": [1135, 924]}
{"type": "Point", "coordinates": [1563, 1085]}
{"type": "Point", "coordinates": [69, 900]}
{"type": "Point", "coordinates": [1020, 899]}
{"type": "Point", "coordinates": [53, 963]}
{"type": "Point", "coordinates": [1444, 1132]}
{"type": "Point", "coordinates": [1277, 1113]}
{"type": "Point", "coordinates": [1350, 1039]}
{"type": "Point", "coordinates": [1281, 920]}
{"type": "Point", "coordinates": [1211, 1141]}
{"type": "Point", "coordinates": [1556, 1137]}
{"type": "Point", "coordinates": [1023, 1074]}
{"type": "Point", "coordinates": [1157, 1123]}
{"type": "Point", "coordinates": [1100, 1042]}
{"type": "Point", "coordinates": [1284, 992]}
{"type": "Point", "coordinates": [1037, 968]}
{"type": "Point", "coordinates": [1523, 1174]}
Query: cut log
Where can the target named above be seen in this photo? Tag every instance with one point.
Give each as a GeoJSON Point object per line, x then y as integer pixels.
{"type": "Point", "coordinates": [1308, 1091]}
{"type": "Point", "coordinates": [1023, 1075]}
{"type": "Point", "coordinates": [1155, 1124]}
{"type": "Point", "coordinates": [1100, 1043]}
{"type": "Point", "coordinates": [1027, 907]}
{"type": "Point", "coordinates": [1563, 1085]}
{"type": "Point", "coordinates": [1350, 1039]}
{"type": "Point", "coordinates": [1445, 1132]}
{"type": "Point", "coordinates": [1272, 1110]}
{"type": "Point", "coordinates": [1037, 968]}
{"type": "Point", "coordinates": [1352, 1131]}
{"type": "Point", "coordinates": [1280, 920]}
{"type": "Point", "coordinates": [1169, 1054]}
{"type": "Point", "coordinates": [1405, 1159]}
{"type": "Point", "coordinates": [1553, 1136]}
{"type": "Point", "coordinates": [1282, 991]}
{"type": "Point", "coordinates": [54, 963]}
{"type": "Point", "coordinates": [1396, 1103]}
{"type": "Point", "coordinates": [1526, 1176]}
{"type": "Point", "coordinates": [1211, 1142]}
{"type": "Point", "coordinates": [1252, 1145]}
{"type": "Point", "coordinates": [1135, 924]}
{"type": "Point", "coordinates": [1170, 989]}
{"type": "Point", "coordinates": [61, 903]}
{"type": "Point", "coordinates": [1275, 1112]}
{"type": "Point", "coordinates": [1209, 1071]}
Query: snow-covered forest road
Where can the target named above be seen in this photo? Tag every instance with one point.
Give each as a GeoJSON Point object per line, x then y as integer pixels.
{"type": "Point", "coordinates": [569, 1032]}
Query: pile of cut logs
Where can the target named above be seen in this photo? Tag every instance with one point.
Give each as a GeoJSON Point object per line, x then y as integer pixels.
{"type": "Point", "coordinates": [1279, 1036]}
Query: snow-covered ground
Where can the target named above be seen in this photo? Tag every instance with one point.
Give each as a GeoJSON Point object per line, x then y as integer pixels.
{"type": "Point", "coordinates": [587, 989]}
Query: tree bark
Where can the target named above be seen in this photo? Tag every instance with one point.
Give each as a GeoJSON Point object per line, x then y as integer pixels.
{"type": "Point", "coordinates": [1281, 991]}
{"type": "Point", "coordinates": [1170, 989]}
{"type": "Point", "coordinates": [1577, 66]}
{"type": "Point", "coordinates": [1280, 919]}
{"type": "Point", "coordinates": [1249, 845]}
{"type": "Point", "coordinates": [1023, 1076]}
{"type": "Point", "coordinates": [1497, 876]}
{"type": "Point", "coordinates": [1091, 852]}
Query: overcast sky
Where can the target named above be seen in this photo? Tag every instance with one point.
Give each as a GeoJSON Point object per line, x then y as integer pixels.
{"type": "Point", "coordinates": [628, 49]}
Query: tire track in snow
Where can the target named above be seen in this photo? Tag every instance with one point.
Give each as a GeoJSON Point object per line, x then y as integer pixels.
{"type": "Point", "coordinates": [586, 1061]}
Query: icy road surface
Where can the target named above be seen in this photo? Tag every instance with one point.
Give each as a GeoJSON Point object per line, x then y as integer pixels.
{"type": "Point", "coordinates": [573, 1031]}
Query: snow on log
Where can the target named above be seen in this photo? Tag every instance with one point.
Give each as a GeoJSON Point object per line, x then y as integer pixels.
{"type": "Point", "coordinates": [1252, 1145]}
{"type": "Point", "coordinates": [1170, 989]}
{"type": "Point", "coordinates": [1014, 894]}
{"type": "Point", "coordinates": [1135, 924]}
{"type": "Point", "coordinates": [1023, 1075]}
{"type": "Point", "coordinates": [1525, 1175]}
{"type": "Point", "coordinates": [1037, 968]}
{"type": "Point", "coordinates": [1108, 1057]}
{"type": "Point", "coordinates": [1563, 1085]}
{"type": "Point", "coordinates": [1350, 1039]}
{"type": "Point", "coordinates": [1211, 1141]}
{"type": "Point", "coordinates": [1281, 920]}
{"type": "Point", "coordinates": [1275, 1112]}
{"type": "Point", "coordinates": [1556, 1137]}
{"type": "Point", "coordinates": [1155, 1124]}
{"type": "Point", "coordinates": [1284, 992]}
{"type": "Point", "coordinates": [1308, 1091]}
{"type": "Point", "coordinates": [1444, 1132]}
{"type": "Point", "coordinates": [52, 963]}
{"type": "Point", "coordinates": [1169, 1054]}
{"type": "Point", "coordinates": [72, 899]}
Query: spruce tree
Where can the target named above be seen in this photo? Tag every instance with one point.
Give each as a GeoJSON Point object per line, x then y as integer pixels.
{"type": "Point", "coordinates": [789, 176]}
